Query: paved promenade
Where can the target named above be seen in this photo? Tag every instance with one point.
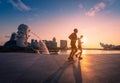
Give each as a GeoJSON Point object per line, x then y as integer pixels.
{"type": "Point", "coordinates": [35, 68]}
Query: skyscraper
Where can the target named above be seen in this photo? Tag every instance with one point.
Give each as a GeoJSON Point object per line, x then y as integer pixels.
{"type": "Point", "coordinates": [63, 44]}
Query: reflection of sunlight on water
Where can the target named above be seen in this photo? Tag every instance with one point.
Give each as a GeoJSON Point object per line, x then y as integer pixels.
{"type": "Point", "coordinates": [93, 52]}
{"type": "Point", "coordinates": [101, 52]}
{"type": "Point", "coordinates": [84, 52]}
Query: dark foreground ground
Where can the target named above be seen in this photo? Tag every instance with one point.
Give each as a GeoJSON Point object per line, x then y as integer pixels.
{"type": "Point", "coordinates": [35, 68]}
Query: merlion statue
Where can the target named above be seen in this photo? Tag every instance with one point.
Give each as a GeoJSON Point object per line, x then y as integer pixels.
{"type": "Point", "coordinates": [22, 35]}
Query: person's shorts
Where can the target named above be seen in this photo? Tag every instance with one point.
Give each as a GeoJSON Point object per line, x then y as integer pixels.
{"type": "Point", "coordinates": [79, 47]}
{"type": "Point", "coordinates": [73, 46]}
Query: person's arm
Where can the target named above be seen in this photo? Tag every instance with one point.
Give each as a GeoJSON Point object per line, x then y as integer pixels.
{"type": "Point", "coordinates": [70, 36]}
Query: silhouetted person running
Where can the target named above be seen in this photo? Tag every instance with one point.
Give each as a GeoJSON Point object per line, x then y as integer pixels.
{"type": "Point", "coordinates": [73, 38]}
{"type": "Point", "coordinates": [79, 47]}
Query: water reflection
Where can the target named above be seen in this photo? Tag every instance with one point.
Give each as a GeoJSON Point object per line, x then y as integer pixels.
{"type": "Point", "coordinates": [92, 52]}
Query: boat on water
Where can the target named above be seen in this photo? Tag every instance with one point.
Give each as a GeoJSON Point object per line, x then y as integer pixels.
{"type": "Point", "coordinates": [110, 46]}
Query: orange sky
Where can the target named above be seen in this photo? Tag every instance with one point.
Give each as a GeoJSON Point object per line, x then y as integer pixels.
{"type": "Point", "coordinates": [95, 29]}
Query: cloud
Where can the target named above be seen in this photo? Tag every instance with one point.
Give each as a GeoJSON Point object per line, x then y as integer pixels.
{"type": "Point", "coordinates": [97, 8]}
{"type": "Point", "coordinates": [19, 5]}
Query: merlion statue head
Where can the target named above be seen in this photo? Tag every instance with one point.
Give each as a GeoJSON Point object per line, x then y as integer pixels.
{"type": "Point", "coordinates": [23, 29]}
{"type": "Point", "coordinates": [22, 35]}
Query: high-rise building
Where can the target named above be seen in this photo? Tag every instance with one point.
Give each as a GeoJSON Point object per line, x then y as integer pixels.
{"type": "Point", "coordinates": [51, 44]}
{"type": "Point", "coordinates": [63, 44]}
{"type": "Point", "coordinates": [54, 39]}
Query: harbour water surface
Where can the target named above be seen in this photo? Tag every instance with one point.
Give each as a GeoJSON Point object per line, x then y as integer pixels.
{"type": "Point", "coordinates": [92, 51]}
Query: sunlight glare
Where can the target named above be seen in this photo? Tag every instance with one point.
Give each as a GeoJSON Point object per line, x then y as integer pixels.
{"type": "Point", "coordinates": [84, 40]}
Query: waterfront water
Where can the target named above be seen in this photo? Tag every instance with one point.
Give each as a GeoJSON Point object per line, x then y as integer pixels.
{"type": "Point", "coordinates": [92, 52]}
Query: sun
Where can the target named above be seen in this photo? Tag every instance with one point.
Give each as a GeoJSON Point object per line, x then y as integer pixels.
{"type": "Point", "coordinates": [84, 40]}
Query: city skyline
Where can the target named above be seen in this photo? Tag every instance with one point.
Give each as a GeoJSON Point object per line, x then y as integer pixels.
{"type": "Point", "coordinates": [97, 20]}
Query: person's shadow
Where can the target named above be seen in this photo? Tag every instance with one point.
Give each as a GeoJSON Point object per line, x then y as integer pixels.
{"type": "Point", "coordinates": [54, 78]}
{"type": "Point", "coordinates": [77, 72]}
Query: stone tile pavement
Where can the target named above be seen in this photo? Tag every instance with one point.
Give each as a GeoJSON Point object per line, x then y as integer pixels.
{"type": "Point", "coordinates": [35, 68]}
